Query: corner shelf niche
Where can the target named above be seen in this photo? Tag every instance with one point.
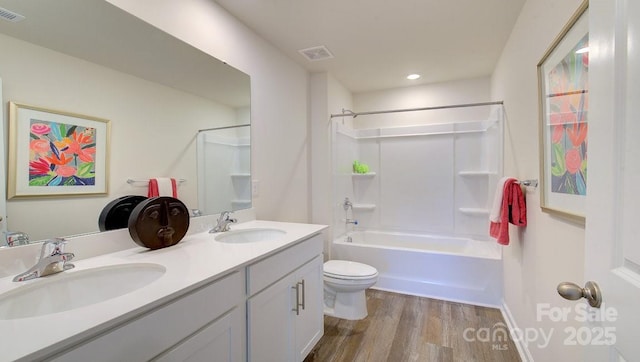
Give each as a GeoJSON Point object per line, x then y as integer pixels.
{"type": "Point", "coordinates": [474, 174]}
{"type": "Point", "coordinates": [358, 206]}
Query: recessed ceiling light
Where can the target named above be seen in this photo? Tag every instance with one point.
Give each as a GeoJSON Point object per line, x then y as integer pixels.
{"type": "Point", "coordinates": [413, 76]}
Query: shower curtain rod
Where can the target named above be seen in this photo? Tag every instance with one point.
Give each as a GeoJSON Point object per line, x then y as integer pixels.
{"type": "Point", "coordinates": [348, 113]}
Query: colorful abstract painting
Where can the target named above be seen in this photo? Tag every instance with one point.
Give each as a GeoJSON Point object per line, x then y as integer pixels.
{"type": "Point", "coordinates": [563, 88]}
{"type": "Point", "coordinates": [56, 153]}
{"type": "Point", "coordinates": [61, 154]}
{"type": "Point", "coordinates": [567, 106]}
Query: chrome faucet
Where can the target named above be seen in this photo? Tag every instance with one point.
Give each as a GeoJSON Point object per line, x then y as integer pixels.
{"type": "Point", "coordinates": [224, 222]}
{"type": "Point", "coordinates": [52, 260]}
{"type": "Point", "coordinates": [14, 238]}
{"type": "Point", "coordinates": [346, 205]}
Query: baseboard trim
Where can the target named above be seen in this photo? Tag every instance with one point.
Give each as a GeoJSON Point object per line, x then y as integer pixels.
{"type": "Point", "coordinates": [523, 349]}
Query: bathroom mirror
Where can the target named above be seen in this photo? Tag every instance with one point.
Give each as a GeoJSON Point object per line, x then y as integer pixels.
{"type": "Point", "coordinates": [90, 57]}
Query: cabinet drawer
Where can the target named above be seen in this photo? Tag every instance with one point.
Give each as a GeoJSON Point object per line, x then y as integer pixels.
{"type": "Point", "coordinates": [152, 333]}
{"type": "Point", "coordinates": [266, 272]}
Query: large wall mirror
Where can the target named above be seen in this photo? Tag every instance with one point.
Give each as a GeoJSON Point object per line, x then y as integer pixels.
{"type": "Point", "coordinates": [89, 57]}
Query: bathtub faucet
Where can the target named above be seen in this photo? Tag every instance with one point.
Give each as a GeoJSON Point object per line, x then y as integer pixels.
{"type": "Point", "coordinates": [346, 205]}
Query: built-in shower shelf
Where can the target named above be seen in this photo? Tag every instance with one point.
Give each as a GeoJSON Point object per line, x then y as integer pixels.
{"type": "Point", "coordinates": [475, 173]}
{"type": "Point", "coordinates": [364, 207]}
{"type": "Point", "coordinates": [368, 174]}
{"type": "Point", "coordinates": [474, 211]}
{"type": "Point", "coordinates": [240, 175]}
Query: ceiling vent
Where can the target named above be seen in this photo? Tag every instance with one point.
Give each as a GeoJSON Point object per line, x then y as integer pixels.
{"type": "Point", "coordinates": [316, 53]}
{"type": "Point", "coordinates": [10, 15]}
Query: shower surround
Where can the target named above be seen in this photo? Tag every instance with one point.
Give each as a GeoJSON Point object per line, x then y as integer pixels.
{"type": "Point", "coordinates": [423, 207]}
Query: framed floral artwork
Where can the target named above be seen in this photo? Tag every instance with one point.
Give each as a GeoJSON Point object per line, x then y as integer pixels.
{"type": "Point", "coordinates": [55, 153]}
{"type": "Point", "coordinates": [563, 87]}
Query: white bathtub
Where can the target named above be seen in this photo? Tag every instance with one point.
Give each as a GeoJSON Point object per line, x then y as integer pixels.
{"type": "Point", "coordinates": [455, 269]}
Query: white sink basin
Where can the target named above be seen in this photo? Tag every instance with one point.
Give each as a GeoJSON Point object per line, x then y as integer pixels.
{"type": "Point", "coordinates": [74, 289]}
{"type": "Point", "coordinates": [250, 235]}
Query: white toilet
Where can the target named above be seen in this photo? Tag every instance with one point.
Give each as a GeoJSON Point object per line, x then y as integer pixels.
{"type": "Point", "coordinates": [344, 285]}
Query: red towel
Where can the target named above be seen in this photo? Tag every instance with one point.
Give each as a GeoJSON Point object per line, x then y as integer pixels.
{"type": "Point", "coordinates": [514, 210]}
{"type": "Point", "coordinates": [156, 190]}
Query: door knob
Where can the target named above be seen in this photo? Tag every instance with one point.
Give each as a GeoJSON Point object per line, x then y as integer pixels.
{"type": "Point", "coordinates": [573, 291]}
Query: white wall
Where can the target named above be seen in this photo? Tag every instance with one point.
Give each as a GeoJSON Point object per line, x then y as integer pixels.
{"type": "Point", "coordinates": [429, 95]}
{"type": "Point", "coordinates": [550, 249]}
{"type": "Point", "coordinates": [280, 142]}
{"type": "Point", "coordinates": [145, 142]}
{"type": "Point", "coordinates": [327, 96]}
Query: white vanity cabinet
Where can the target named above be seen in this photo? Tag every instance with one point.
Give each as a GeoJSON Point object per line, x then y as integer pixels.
{"type": "Point", "coordinates": [285, 306]}
{"type": "Point", "coordinates": [265, 304]}
{"type": "Point", "coordinates": [206, 324]}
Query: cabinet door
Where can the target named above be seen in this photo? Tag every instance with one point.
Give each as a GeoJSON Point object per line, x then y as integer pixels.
{"type": "Point", "coordinates": [309, 324]}
{"type": "Point", "coordinates": [222, 340]}
{"type": "Point", "coordinates": [151, 334]}
{"type": "Point", "coordinates": [270, 314]}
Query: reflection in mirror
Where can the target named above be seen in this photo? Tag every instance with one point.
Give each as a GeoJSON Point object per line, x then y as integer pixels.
{"type": "Point", "coordinates": [224, 169]}
{"type": "Point", "coordinates": [156, 90]}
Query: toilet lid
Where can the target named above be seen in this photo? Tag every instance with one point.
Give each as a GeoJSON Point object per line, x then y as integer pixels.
{"type": "Point", "coordinates": [348, 269]}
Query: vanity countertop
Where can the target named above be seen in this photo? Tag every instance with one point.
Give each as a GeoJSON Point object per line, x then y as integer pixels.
{"type": "Point", "coordinates": [197, 260]}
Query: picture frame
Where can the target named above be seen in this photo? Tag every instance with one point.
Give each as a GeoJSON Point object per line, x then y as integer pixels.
{"type": "Point", "coordinates": [55, 153]}
{"type": "Point", "coordinates": [563, 126]}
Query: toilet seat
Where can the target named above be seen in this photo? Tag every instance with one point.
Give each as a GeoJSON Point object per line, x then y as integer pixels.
{"type": "Point", "coordinates": [348, 270]}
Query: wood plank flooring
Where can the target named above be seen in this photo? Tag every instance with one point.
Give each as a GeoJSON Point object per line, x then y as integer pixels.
{"type": "Point", "coordinates": [408, 328]}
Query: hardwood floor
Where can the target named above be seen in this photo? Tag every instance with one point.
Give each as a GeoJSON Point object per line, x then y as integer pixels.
{"type": "Point", "coordinates": [408, 328]}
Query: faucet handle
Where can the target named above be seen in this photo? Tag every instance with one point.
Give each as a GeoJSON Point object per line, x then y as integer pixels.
{"type": "Point", "coordinates": [224, 216]}
{"type": "Point", "coordinates": [52, 247]}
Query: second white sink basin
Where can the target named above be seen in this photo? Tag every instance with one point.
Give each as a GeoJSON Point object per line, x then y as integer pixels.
{"type": "Point", "coordinates": [250, 235]}
{"type": "Point", "coordinates": [74, 289]}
